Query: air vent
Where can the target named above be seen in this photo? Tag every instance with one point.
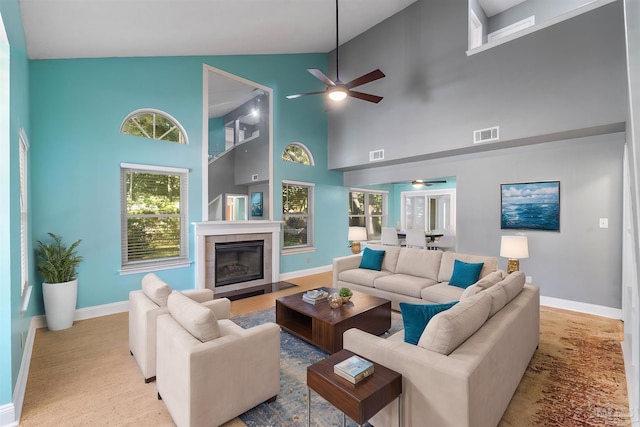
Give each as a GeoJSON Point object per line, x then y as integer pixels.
{"type": "Point", "coordinates": [254, 177]}
{"type": "Point", "coordinates": [376, 155]}
{"type": "Point", "coordinates": [486, 135]}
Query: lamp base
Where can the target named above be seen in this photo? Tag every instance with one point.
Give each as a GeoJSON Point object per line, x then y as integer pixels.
{"type": "Point", "coordinates": [355, 247]}
{"type": "Point", "coordinates": [513, 265]}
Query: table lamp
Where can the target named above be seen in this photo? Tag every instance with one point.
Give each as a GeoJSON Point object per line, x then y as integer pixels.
{"type": "Point", "coordinates": [356, 235]}
{"type": "Point", "coordinates": [514, 248]}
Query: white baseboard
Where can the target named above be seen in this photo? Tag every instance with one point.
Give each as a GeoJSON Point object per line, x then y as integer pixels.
{"type": "Point", "coordinates": [23, 374]}
{"type": "Point", "coordinates": [90, 312]}
{"type": "Point", "coordinates": [582, 307]}
{"type": "Point", "coordinates": [307, 272]}
{"type": "Point", "coordinates": [7, 416]}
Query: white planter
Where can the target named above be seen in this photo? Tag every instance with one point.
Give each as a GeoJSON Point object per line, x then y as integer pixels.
{"type": "Point", "coordinates": [60, 304]}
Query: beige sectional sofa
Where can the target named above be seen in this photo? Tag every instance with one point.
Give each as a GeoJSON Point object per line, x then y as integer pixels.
{"type": "Point", "coordinates": [410, 274]}
{"type": "Point", "coordinates": [470, 358]}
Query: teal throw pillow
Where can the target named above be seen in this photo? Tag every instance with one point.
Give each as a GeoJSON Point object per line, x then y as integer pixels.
{"type": "Point", "coordinates": [465, 274]}
{"type": "Point", "coordinates": [416, 316]}
{"type": "Point", "coordinates": [371, 259]}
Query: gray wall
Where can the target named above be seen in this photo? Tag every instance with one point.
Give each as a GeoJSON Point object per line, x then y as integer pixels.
{"type": "Point", "coordinates": [581, 262]}
{"type": "Point", "coordinates": [544, 10]}
{"type": "Point", "coordinates": [570, 76]}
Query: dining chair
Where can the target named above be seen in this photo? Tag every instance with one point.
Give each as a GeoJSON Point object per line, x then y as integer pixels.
{"type": "Point", "coordinates": [444, 243]}
{"type": "Point", "coordinates": [389, 236]}
{"type": "Point", "coordinates": [416, 238]}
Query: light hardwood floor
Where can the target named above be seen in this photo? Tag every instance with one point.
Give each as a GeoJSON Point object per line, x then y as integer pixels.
{"type": "Point", "coordinates": [85, 376]}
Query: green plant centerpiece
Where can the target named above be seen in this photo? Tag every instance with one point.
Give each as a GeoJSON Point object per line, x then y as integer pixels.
{"type": "Point", "coordinates": [345, 294]}
{"type": "Point", "coordinates": [58, 265]}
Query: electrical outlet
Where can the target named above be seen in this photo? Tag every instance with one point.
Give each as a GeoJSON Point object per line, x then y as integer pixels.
{"type": "Point", "coordinates": [529, 279]}
{"type": "Point", "coordinates": [308, 260]}
{"type": "Point", "coordinates": [604, 222]}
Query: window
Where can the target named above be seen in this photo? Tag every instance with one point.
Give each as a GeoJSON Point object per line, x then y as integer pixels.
{"type": "Point", "coordinates": [154, 216]}
{"type": "Point", "coordinates": [24, 216]}
{"type": "Point", "coordinates": [154, 124]}
{"type": "Point", "coordinates": [368, 209]}
{"type": "Point", "coordinates": [297, 153]}
{"type": "Point", "coordinates": [297, 214]}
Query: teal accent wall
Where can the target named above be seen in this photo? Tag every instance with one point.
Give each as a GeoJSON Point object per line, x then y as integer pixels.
{"type": "Point", "coordinates": [14, 114]}
{"type": "Point", "coordinates": [79, 105]}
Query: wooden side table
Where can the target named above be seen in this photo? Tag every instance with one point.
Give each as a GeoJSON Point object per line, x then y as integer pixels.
{"type": "Point", "coordinates": [359, 401]}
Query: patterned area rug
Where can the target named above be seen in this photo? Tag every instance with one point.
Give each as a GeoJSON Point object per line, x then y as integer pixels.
{"type": "Point", "coordinates": [290, 408]}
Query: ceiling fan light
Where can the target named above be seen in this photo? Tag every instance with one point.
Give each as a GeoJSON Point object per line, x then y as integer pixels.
{"type": "Point", "coordinates": [417, 183]}
{"type": "Point", "coordinates": [338, 94]}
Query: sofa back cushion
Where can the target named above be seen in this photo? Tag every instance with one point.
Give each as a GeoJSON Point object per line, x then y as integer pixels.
{"type": "Point", "coordinates": [491, 279]}
{"type": "Point", "coordinates": [155, 289]}
{"type": "Point", "coordinates": [513, 284]}
{"type": "Point", "coordinates": [450, 328]}
{"type": "Point", "coordinates": [390, 256]}
{"type": "Point", "coordinates": [448, 258]}
{"type": "Point", "coordinates": [200, 321]}
{"type": "Point", "coordinates": [498, 298]}
{"type": "Point", "coordinates": [419, 262]}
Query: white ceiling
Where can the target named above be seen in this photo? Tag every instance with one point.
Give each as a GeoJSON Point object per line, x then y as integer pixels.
{"type": "Point", "coordinates": [122, 28]}
{"type": "Point", "coordinates": [493, 7]}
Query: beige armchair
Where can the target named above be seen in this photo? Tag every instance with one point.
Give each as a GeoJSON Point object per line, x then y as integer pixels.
{"type": "Point", "coordinates": [212, 370]}
{"type": "Point", "coordinates": [145, 306]}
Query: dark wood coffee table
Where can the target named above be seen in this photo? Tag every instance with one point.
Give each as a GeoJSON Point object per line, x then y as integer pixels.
{"type": "Point", "coordinates": [323, 326]}
{"type": "Point", "coordinates": [359, 401]}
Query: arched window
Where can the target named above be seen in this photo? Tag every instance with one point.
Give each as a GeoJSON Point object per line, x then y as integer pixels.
{"type": "Point", "coordinates": [154, 124]}
{"type": "Point", "coordinates": [297, 153]}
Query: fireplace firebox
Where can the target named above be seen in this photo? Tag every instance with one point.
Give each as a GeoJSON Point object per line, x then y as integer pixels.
{"type": "Point", "coordinates": [238, 262]}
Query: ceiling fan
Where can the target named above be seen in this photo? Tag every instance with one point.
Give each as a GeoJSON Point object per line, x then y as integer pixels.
{"type": "Point", "coordinates": [336, 90]}
{"type": "Point", "coordinates": [417, 183]}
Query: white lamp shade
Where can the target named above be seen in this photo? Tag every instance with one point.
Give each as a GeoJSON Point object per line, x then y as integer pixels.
{"type": "Point", "coordinates": [357, 234]}
{"type": "Point", "coordinates": [514, 247]}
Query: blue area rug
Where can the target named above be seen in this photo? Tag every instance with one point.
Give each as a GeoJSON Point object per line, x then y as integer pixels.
{"type": "Point", "coordinates": [290, 408]}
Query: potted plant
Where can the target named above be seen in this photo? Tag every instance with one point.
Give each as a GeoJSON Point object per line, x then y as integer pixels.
{"type": "Point", "coordinates": [57, 264]}
{"type": "Point", "coordinates": [345, 294]}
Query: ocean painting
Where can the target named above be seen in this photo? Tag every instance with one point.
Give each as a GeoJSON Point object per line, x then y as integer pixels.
{"type": "Point", "coordinates": [530, 206]}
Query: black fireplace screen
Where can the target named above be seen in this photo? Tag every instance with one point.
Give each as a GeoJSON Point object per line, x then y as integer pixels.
{"type": "Point", "coordinates": [238, 262]}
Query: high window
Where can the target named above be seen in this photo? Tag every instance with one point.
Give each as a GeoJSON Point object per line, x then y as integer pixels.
{"type": "Point", "coordinates": [154, 216]}
{"type": "Point", "coordinates": [368, 209]}
{"type": "Point", "coordinates": [297, 153]}
{"type": "Point", "coordinates": [154, 124]}
{"type": "Point", "coordinates": [297, 214]}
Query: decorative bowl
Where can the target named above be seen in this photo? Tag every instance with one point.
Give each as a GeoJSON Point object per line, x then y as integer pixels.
{"type": "Point", "coordinates": [335, 300]}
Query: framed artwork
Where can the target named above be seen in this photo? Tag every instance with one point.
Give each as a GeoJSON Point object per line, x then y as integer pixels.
{"type": "Point", "coordinates": [256, 203]}
{"type": "Point", "coordinates": [530, 206]}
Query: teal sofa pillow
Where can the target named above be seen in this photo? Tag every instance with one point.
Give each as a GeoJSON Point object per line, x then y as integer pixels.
{"type": "Point", "coordinates": [371, 259]}
{"type": "Point", "coordinates": [465, 274]}
{"type": "Point", "coordinates": [416, 316]}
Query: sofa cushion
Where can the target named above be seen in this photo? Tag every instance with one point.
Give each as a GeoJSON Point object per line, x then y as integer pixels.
{"type": "Point", "coordinates": [471, 291]}
{"type": "Point", "coordinates": [465, 274]}
{"type": "Point", "coordinates": [441, 293]}
{"type": "Point", "coordinates": [491, 279]}
{"type": "Point", "coordinates": [513, 284]}
{"type": "Point", "coordinates": [498, 298]}
{"type": "Point", "coordinates": [372, 259]}
{"type": "Point", "coordinates": [416, 316]}
{"type": "Point", "coordinates": [362, 276]}
{"type": "Point", "coordinates": [403, 284]}
{"type": "Point", "coordinates": [390, 257]}
{"type": "Point", "coordinates": [448, 329]}
{"type": "Point", "coordinates": [448, 258]}
{"type": "Point", "coordinates": [199, 320]}
{"type": "Point", "coordinates": [419, 262]}
{"type": "Point", "coordinates": [155, 289]}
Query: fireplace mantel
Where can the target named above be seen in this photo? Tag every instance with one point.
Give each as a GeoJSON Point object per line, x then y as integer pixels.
{"type": "Point", "coordinates": [226, 228]}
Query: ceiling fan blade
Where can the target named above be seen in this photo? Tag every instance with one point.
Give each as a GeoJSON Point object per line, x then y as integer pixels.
{"type": "Point", "coordinates": [369, 77]}
{"type": "Point", "coordinates": [365, 96]}
{"type": "Point", "coordinates": [298, 95]}
{"type": "Point", "coordinates": [320, 76]}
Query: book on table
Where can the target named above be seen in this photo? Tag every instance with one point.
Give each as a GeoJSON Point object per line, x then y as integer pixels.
{"type": "Point", "coordinates": [315, 296]}
{"type": "Point", "coordinates": [354, 369]}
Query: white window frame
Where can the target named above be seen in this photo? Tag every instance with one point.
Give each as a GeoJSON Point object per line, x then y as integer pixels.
{"type": "Point", "coordinates": [367, 215]}
{"type": "Point", "coordinates": [309, 246]}
{"type": "Point", "coordinates": [304, 148]}
{"type": "Point", "coordinates": [451, 192]}
{"type": "Point", "coordinates": [155, 112]}
{"type": "Point", "coordinates": [25, 288]}
{"type": "Point", "coordinates": [132, 267]}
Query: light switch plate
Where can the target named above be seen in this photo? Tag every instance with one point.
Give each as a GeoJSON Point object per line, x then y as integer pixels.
{"type": "Point", "coordinates": [604, 222]}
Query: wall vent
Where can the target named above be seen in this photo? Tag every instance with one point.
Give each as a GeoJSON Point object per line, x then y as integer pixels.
{"type": "Point", "coordinates": [486, 135]}
{"type": "Point", "coordinates": [254, 177]}
{"type": "Point", "coordinates": [376, 155]}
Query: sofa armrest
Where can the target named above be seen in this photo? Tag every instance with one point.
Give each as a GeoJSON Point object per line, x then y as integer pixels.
{"type": "Point", "coordinates": [199, 295]}
{"type": "Point", "coordinates": [221, 307]}
{"type": "Point", "coordinates": [431, 381]}
{"type": "Point", "coordinates": [345, 263]}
